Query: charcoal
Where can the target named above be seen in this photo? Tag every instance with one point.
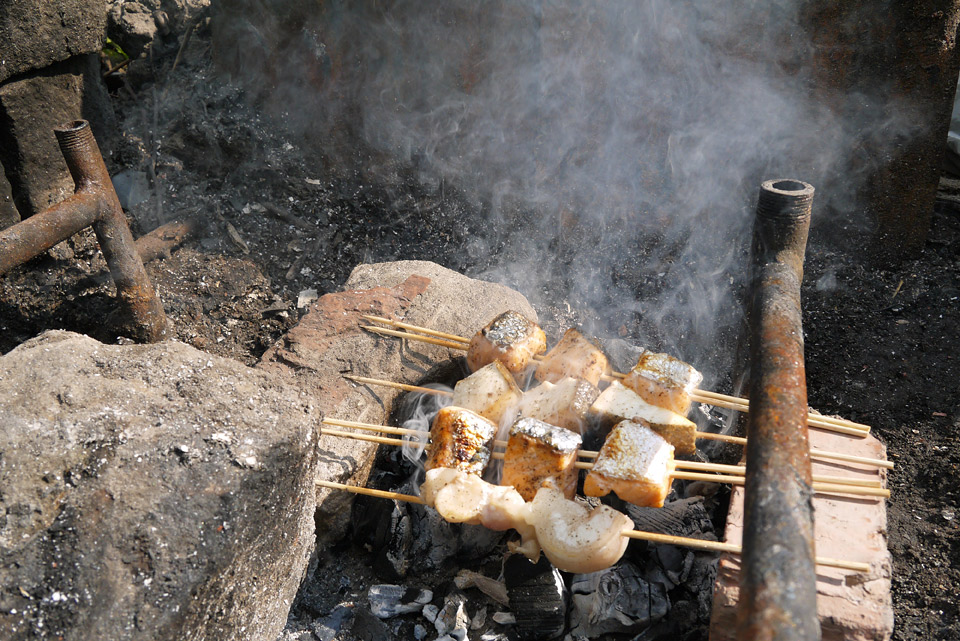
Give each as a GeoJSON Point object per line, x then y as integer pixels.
{"type": "Point", "coordinates": [476, 542]}
{"type": "Point", "coordinates": [479, 619]}
{"type": "Point", "coordinates": [384, 526]}
{"type": "Point", "coordinates": [504, 618]}
{"type": "Point", "coordinates": [435, 540]}
{"type": "Point", "coordinates": [327, 628]}
{"type": "Point", "coordinates": [676, 562]}
{"type": "Point", "coordinates": [683, 517]}
{"type": "Point", "coordinates": [388, 601]}
{"type": "Point", "coordinates": [615, 600]}
{"type": "Point", "coordinates": [538, 597]}
{"type": "Point", "coordinates": [367, 627]}
{"type": "Point", "coordinates": [453, 620]}
{"type": "Point", "coordinates": [430, 612]}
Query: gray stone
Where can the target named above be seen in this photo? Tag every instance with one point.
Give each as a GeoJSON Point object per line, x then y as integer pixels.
{"type": "Point", "coordinates": [132, 26]}
{"type": "Point", "coordinates": [37, 33]}
{"type": "Point", "coordinates": [124, 514]}
{"type": "Point", "coordinates": [31, 106]}
{"type": "Point", "coordinates": [328, 343]}
{"type": "Point", "coordinates": [135, 24]}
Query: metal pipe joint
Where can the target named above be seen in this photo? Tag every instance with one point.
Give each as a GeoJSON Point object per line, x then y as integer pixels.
{"type": "Point", "coordinates": [94, 203]}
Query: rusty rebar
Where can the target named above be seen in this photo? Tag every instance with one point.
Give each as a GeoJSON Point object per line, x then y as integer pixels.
{"type": "Point", "coordinates": [778, 580]}
{"type": "Point", "coordinates": [93, 204]}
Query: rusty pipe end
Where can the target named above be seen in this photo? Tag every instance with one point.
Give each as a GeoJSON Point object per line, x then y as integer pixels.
{"type": "Point", "coordinates": [81, 153]}
{"type": "Point", "coordinates": [783, 221]}
{"type": "Point", "coordinates": [785, 200]}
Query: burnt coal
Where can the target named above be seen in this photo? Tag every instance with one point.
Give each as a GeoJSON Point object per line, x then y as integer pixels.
{"type": "Point", "coordinates": [617, 600]}
{"type": "Point", "coordinates": [330, 626]}
{"type": "Point", "coordinates": [538, 597]}
{"type": "Point", "coordinates": [402, 535]}
{"type": "Point", "coordinates": [388, 601]}
{"type": "Point", "coordinates": [683, 517]}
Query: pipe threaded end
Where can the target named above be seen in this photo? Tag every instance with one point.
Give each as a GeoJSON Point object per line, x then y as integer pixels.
{"type": "Point", "coordinates": [74, 136]}
{"type": "Point", "coordinates": [785, 200]}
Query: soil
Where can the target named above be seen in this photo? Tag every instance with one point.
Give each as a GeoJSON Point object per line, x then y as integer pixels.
{"type": "Point", "coordinates": [880, 340]}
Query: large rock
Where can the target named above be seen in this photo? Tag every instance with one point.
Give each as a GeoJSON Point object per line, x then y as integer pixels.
{"type": "Point", "coordinates": [328, 343]}
{"type": "Point", "coordinates": [150, 492]}
{"type": "Point", "coordinates": [37, 33]}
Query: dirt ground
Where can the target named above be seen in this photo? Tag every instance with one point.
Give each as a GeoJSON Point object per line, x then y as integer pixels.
{"type": "Point", "coordinates": [277, 220]}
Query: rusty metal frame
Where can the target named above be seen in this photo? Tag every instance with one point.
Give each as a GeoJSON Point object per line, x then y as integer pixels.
{"type": "Point", "coordinates": [778, 579]}
{"type": "Point", "coordinates": [94, 203]}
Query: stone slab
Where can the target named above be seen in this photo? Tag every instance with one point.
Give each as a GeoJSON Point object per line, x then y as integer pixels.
{"type": "Point", "coordinates": [37, 33]}
{"type": "Point", "coordinates": [328, 343]}
{"type": "Point", "coordinates": [852, 606]}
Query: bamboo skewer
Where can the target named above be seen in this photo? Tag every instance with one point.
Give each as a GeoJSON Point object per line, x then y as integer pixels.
{"type": "Point", "coordinates": [681, 541]}
{"type": "Point", "coordinates": [409, 388]}
{"type": "Point", "coordinates": [415, 328]}
{"type": "Point", "coordinates": [739, 440]}
{"type": "Point", "coordinates": [834, 485]}
{"type": "Point", "coordinates": [706, 397]}
{"type": "Point", "coordinates": [737, 470]}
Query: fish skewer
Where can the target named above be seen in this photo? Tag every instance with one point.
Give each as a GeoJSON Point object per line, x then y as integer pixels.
{"type": "Point", "coordinates": [834, 485]}
{"type": "Point", "coordinates": [701, 396]}
{"type": "Point", "coordinates": [738, 440]}
{"type": "Point", "coordinates": [696, 544]}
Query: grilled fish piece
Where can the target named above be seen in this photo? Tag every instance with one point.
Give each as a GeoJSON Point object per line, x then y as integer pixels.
{"type": "Point", "coordinates": [618, 403]}
{"type": "Point", "coordinates": [635, 462]}
{"type": "Point", "coordinates": [509, 338]}
{"type": "Point", "coordinates": [664, 381]}
{"type": "Point", "coordinates": [540, 455]}
{"type": "Point", "coordinates": [460, 439]}
{"type": "Point", "coordinates": [565, 404]}
{"type": "Point", "coordinates": [490, 391]}
{"type": "Point", "coordinates": [573, 356]}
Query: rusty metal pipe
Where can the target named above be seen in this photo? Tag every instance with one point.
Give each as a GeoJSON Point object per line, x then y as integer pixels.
{"type": "Point", "coordinates": [40, 232]}
{"type": "Point", "coordinates": [778, 599]}
{"type": "Point", "coordinates": [94, 203]}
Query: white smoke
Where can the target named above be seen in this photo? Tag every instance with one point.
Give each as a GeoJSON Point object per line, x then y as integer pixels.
{"type": "Point", "coordinates": [616, 146]}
